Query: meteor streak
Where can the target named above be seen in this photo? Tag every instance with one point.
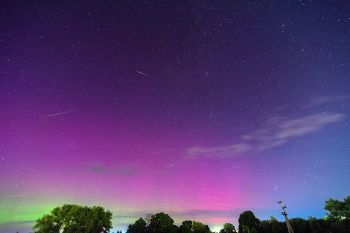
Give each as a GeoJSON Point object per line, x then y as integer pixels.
{"type": "Point", "coordinates": [23, 195]}
{"type": "Point", "coordinates": [143, 73]}
{"type": "Point", "coordinates": [55, 114]}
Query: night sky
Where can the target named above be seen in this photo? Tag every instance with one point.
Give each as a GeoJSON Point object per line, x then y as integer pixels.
{"type": "Point", "coordinates": [197, 109]}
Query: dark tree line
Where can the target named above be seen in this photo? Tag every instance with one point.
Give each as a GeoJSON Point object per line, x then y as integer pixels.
{"type": "Point", "coordinates": [300, 225]}
{"type": "Point", "coordinates": [76, 219]}
{"type": "Point", "coordinates": [338, 220]}
{"type": "Point", "coordinates": [162, 222]}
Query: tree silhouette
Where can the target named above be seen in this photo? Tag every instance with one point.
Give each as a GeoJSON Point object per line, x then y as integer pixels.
{"type": "Point", "coordinates": [74, 218]}
{"type": "Point", "coordinates": [338, 209]}
{"type": "Point", "coordinates": [248, 220]}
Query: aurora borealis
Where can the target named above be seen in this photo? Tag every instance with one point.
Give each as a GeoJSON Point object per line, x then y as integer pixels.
{"type": "Point", "coordinates": [197, 109]}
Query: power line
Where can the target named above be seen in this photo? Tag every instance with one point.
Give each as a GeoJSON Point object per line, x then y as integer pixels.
{"type": "Point", "coordinates": [267, 212]}
{"type": "Point", "coordinates": [290, 229]}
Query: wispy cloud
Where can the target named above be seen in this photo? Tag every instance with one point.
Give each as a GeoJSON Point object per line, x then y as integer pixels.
{"type": "Point", "coordinates": [275, 132]}
{"type": "Point", "coordinates": [99, 168]}
{"type": "Point", "coordinates": [317, 100]}
{"type": "Point", "coordinates": [221, 151]}
{"type": "Point", "coordinates": [278, 131]}
{"type": "Point", "coordinates": [23, 226]}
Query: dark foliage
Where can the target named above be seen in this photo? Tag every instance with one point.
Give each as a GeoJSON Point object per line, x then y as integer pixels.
{"type": "Point", "coordinates": [74, 218]}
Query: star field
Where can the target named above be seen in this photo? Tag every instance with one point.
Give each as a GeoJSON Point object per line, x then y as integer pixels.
{"type": "Point", "coordinates": [200, 110]}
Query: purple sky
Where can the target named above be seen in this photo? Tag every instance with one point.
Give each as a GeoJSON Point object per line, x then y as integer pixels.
{"type": "Point", "coordinates": [199, 110]}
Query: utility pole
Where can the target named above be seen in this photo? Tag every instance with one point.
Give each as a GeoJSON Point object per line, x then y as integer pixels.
{"type": "Point", "coordinates": [290, 229]}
